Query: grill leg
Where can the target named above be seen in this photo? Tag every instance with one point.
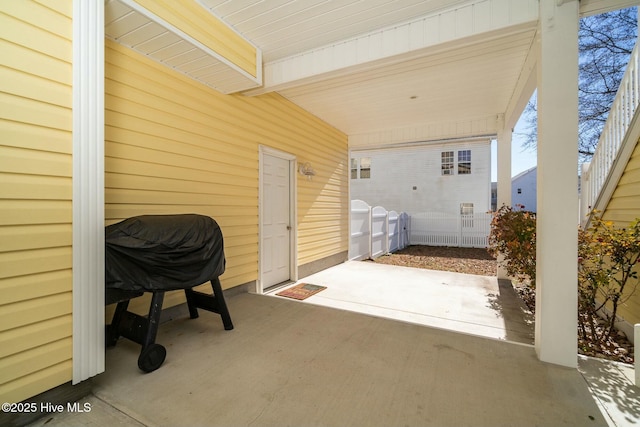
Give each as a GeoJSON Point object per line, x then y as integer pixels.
{"type": "Point", "coordinates": [191, 303]}
{"type": "Point", "coordinates": [214, 303]}
{"type": "Point", "coordinates": [222, 305]}
{"type": "Point", "coordinates": [152, 354]}
{"type": "Point", "coordinates": [154, 318]}
{"type": "Point", "coordinates": [113, 330]}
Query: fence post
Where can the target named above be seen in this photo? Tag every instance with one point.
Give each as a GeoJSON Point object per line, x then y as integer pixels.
{"type": "Point", "coordinates": [379, 231]}
{"type": "Point", "coordinates": [360, 230]}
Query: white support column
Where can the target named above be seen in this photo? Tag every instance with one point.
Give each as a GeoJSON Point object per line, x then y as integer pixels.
{"type": "Point", "coordinates": [88, 189]}
{"type": "Point", "coordinates": [504, 164]}
{"type": "Point", "coordinates": [504, 177]}
{"type": "Point", "coordinates": [557, 227]}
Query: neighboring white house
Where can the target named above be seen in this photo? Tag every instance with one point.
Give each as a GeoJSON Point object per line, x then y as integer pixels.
{"type": "Point", "coordinates": [523, 190]}
{"type": "Point", "coordinates": [450, 176]}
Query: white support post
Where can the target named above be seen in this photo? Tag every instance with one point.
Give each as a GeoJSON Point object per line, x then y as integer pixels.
{"type": "Point", "coordinates": [504, 177]}
{"type": "Point", "coordinates": [557, 192]}
{"type": "Point", "coordinates": [88, 189]}
{"type": "Point", "coordinates": [504, 163]}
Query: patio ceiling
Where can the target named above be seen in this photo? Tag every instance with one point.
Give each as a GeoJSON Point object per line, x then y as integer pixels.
{"type": "Point", "coordinates": [412, 69]}
{"type": "Point", "coordinates": [457, 69]}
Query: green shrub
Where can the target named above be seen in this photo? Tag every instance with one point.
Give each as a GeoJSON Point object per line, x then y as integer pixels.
{"type": "Point", "coordinates": [607, 274]}
{"type": "Point", "coordinates": [513, 235]}
{"type": "Point", "coordinates": [608, 262]}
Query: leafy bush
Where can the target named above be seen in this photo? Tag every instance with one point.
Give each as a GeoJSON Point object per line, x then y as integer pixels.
{"type": "Point", "coordinates": [608, 263]}
{"type": "Point", "coordinates": [607, 275]}
{"type": "Point", "coordinates": [513, 235]}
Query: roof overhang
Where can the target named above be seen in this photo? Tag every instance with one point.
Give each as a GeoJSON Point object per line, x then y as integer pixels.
{"type": "Point", "coordinates": [186, 37]}
{"type": "Point", "coordinates": [381, 72]}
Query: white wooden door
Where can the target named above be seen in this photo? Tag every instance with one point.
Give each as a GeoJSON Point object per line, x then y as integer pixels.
{"type": "Point", "coordinates": [276, 227]}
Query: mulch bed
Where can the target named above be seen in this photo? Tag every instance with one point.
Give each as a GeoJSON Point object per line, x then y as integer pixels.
{"type": "Point", "coordinates": [459, 260]}
{"type": "Point", "coordinates": [617, 348]}
{"type": "Point", "coordinates": [480, 262]}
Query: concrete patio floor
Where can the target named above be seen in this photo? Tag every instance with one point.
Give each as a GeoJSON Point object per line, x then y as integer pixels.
{"type": "Point", "coordinates": [317, 363]}
{"type": "Point", "coordinates": [465, 303]}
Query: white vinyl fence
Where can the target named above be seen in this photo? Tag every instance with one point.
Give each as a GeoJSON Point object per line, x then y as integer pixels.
{"type": "Point", "coordinates": [376, 231]}
{"type": "Point", "coordinates": [444, 229]}
{"type": "Point", "coordinates": [360, 241]}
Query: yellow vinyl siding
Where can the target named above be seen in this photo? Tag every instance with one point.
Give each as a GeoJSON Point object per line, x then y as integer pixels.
{"type": "Point", "coordinates": [35, 335]}
{"type": "Point", "coordinates": [35, 197]}
{"type": "Point", "coordinates": [35, 285]}
{"type": "Point", "coordinates": [193, 19]}
{"type": "Point", "coordinates": [40, 358]}
{"type": "Point", "coordinates": [173, 145]}
{"type": "Point", "coordinates": [623, 208]}
{"type": "Point", "coordinates": [38, 381]}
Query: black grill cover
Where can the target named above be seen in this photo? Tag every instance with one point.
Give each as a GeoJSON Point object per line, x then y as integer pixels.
{"type": "Point", "coordinates": [163, 252]}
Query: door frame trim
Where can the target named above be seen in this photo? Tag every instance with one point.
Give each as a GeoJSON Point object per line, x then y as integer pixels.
{"type": "Point", "coordinates": [293, 212]}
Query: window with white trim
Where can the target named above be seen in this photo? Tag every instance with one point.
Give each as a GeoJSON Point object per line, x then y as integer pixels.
{"type": "Point", "coordinates": [365, 168]}
{"type": "Point", "coordinates": [464, 162]}
{"type": "Point", "coordinates": [447, 162]}
{"type": "Point", "coordinates": [466, 208]}
{"type": "Point", "coordinates": [361, 168]}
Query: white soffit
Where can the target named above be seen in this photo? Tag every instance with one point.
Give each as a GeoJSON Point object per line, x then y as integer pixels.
{"type": "Point", "coordinates": [450, 93]}
{"type": "Point", "coordinates": [129, 24]}
{"type": "Point", "coordinates": [458, 23]}
{"type": "Point", "coordinates": [595, 7]}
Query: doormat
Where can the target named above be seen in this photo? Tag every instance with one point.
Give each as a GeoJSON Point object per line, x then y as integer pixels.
{"type": "Point", "coordinates": [301, 291]}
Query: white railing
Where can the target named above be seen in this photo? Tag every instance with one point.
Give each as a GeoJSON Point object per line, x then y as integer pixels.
{"type": "Point", "coordinates": [623, 109]}
{"type": "Point", "coordinates": [445, 229]}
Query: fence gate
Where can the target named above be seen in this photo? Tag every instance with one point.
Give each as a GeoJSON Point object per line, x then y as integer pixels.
{"type": "Point", "coordinates": [375, 232]}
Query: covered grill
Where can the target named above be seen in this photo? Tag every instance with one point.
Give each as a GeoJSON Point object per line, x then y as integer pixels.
{"type": "Point", "coordinates": [158, 253]}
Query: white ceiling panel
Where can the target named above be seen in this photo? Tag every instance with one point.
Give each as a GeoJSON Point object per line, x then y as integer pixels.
{"type": "Point", "coordinates": [284, 28]}
{"type": "Point", "coordinates": [469, 82]}
{"type": "Point", "coordinates": [127, 23]}
{"type": "Point", "coordinates": [148, 31]}
{"type": "Point", "coordinates": [467, 72]}
{"type": "Point", "coordinates": [154, 44]}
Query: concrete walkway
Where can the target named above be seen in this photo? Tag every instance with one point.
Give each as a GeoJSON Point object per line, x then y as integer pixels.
{"type": "Point", "coordinates": [465, 303]}
{"type": "Point", "coordinates": [291, 363]}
